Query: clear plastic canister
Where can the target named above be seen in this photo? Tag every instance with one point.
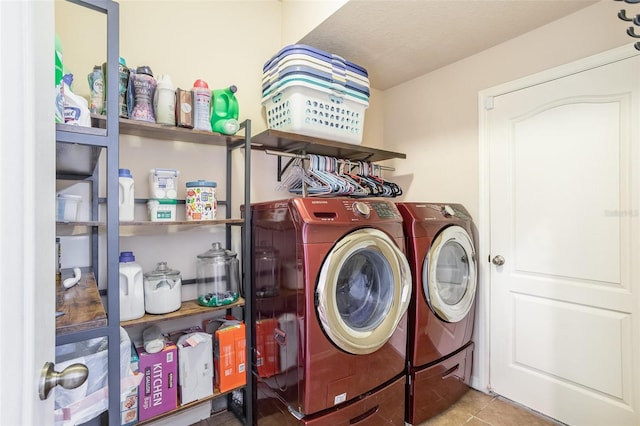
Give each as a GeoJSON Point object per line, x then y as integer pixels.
{"type": "Point", "coordinates": [217, 277]}
{"type": "Point", "coordinates": [162, 290]}
{"type": "Point", "coordinates": [267, 271]}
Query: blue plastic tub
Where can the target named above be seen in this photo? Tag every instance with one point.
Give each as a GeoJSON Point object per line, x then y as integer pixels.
{"type": "Point", "coordinates": [316, 53]}
{"type": "Point", "coordinates": [302, 71]}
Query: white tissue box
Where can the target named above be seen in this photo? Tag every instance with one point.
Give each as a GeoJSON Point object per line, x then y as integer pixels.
{"type": "Point", "coordinates": [195, 357]}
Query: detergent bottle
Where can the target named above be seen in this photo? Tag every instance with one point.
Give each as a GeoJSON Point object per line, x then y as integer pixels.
{"type": "Point", "coordinates": [201, 105]}
{"type": "Point", "coordinates": [224, 111]}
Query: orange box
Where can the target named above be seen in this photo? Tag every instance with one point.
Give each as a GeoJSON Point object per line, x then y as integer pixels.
{"type": "Point", "coordinates": [230, 356]}
{"type": "Point", "coordinates": [267, 350]}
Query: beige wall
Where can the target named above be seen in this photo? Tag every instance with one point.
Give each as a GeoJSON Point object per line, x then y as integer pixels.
{"type": "Point", "coordinates": [434, 118]}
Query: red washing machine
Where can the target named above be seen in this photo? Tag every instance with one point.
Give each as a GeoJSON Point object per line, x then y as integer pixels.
{"type": "Point", "coordinates": [333, 287]}
{"type": "Point", "coordinates": [441, 252]}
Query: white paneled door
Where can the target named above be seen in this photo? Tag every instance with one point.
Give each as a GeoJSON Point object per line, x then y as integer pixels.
{"type": "Point", "coordinates": [27, 209]}
{"type": "Point", "coordinates": [564, 178]}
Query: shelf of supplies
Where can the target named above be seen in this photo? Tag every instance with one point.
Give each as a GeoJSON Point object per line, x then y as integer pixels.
{"type": "Point", "coordinates": [188, 308]}
{"type": "Point", "coordinates": [215, 395]}
{"type": "Point", "coordinates": [81, 304]}
{"type": "Point", "coordinates": [168, 133]}
{"type": "Point", "coordinates": [289, 142]}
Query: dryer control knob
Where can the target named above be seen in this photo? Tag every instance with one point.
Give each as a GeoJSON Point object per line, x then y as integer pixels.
{"type": "Point", "coordinates": [361, 209]}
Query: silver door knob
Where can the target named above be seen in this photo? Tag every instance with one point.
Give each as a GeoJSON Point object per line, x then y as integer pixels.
{"type": "Point", "coordinates": [69, 378]}
{"type": "Point", "coordinates": [498, 260]}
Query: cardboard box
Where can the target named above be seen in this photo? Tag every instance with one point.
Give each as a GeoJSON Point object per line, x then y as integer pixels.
{"type": "Point", "coordinates": [195, 359]}
{"type": "Point", "coordinates": [129, 398]}
{"type": "Point", "coordinates": [267, 350]}
{"type": "Point", "coordinates": [158, 391]}
{"type": "Point", "coordinates": [184, 108]}
{"type": "Point", "coordinates": [230, 356]}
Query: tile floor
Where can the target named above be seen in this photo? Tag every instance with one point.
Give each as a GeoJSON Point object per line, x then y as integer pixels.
{"type": "Point", "coordinates": [479, 409]}
{"type": "Point", "coordinates": [473, 409]}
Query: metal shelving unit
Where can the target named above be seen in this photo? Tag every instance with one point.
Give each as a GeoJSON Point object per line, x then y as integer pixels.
{"type": "Point", "coordinates": [77, 152]}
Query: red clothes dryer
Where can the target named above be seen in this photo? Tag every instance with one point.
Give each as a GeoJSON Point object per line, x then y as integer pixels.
{"type": "Point", "coordinates": [441, 252]}
{"type": "Point", "coordinates": [337, 315]}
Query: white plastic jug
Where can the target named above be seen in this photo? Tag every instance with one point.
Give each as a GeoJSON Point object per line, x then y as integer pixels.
{"type": "Point", "coordinates": [131, 288]}
{"type": "Point", "coordinates": [126, 195]}
{"type": "Point", "coordinates": [164, 101]}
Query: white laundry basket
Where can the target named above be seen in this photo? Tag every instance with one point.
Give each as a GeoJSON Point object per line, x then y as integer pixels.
{"type": "Point", "coordinates": [307, 109]}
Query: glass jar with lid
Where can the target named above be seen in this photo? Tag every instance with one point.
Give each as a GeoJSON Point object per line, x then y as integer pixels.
{"type": "Point", "coordinates": [162, 290]}
{"type": "Point", "coordinates": [217, 277]}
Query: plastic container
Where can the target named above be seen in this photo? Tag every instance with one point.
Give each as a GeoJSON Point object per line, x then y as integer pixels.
{"type": "Point", "coordinates": [224, 111]}
{"type": "Point", "coordinates": [315, 53]}
{"type": "Point", "coordinates": [162, 210]}
{"type": "Point", "coordinates": [96, 84]}
{"type": "Point", "coordinates": [144, 87]}
{"type": "Point", "coordinates": [218, 277]}
{"type": "Point", "coordinates": [267, 271]}
{"type": "Point", "coordinates": [75, 108]}
{"type": "Point", "coordinates": [201, 105]}
{"type": "Point", "coordinates": [308, 109]}
{"type": "Point", "coordinates": [162, 290]}
{"type": "Point", "coordinates": [163, 183]}
{"type": "Point", "coordinates": [123, 85]}
{"type": "Point", "coordinates": [126, 195]}
{"type": "Point", "coordinates": [131, 288]}
{"type": "Point", "coordinates": [201, 201]}
{"type": "Point", "coordinates": [164, 102]}
{"type": "Point", "coordinates": [67, 207]}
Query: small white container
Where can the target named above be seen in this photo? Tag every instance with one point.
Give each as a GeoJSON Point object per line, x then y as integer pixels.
{"type": "Point", "coordinates": [126, 194]}
{"type": "Point", "coordinates": [67, 207]}
{"type": "Point", "coordinates": [162, 210]}
{"type": "Point", "coordinates": [163, 183]}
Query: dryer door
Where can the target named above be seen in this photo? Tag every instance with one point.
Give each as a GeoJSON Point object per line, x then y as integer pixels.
{"type": "Point", "coordinates": [449, 274]}
{"type": "Point", "coordinates": [363, 291]}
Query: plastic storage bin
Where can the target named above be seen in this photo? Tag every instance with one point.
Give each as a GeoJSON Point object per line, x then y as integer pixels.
{"type": "Point", "coordinates": [75, 406]}
{"type": "Point", "coordinates": [307, 109]}
{"type": "Point", "coordinates": [67, 207]}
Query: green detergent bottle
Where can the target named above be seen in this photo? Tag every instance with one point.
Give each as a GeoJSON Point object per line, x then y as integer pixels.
{"type": "Point", "coordinates": [224, 111]}
{"type": "Point", "coordinates": [58, 75]}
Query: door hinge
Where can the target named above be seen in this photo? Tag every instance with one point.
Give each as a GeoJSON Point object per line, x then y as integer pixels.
{"type": "Point", "coordinates": [488, 103]}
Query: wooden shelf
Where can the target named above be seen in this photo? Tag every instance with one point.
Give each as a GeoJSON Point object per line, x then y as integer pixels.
{"type": "Point", "coordinates": [167, 133]}
{"type": "Point", "coordinates": [215, 395]}
{"type": "Point", "coordinates": [188, 308]}
{"type": "Point", "coordinates": [128, 229]}
{"type": "Point", "coordinates": [290, 142]}
{"type": "Point", "coordinates": [81, 304]}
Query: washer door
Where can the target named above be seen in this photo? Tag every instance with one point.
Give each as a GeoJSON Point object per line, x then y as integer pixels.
{"type": "Point", "coordinates": [363, 291]}
{"type": "Point", "coordinates": [449, 274]}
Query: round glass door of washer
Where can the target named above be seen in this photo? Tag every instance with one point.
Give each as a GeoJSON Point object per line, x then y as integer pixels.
{"type": "Point", "coordinates": [363, 290]}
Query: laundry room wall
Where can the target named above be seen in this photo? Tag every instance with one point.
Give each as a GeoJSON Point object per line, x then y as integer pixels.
{"type": "Point", "coordinates": [434, 118]}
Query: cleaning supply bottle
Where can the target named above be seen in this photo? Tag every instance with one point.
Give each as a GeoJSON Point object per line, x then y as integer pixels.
{"type": "Point", "coordinates": [96, 84]}
{"type": "Point", "coordinates": [164, 101]}
{"type": "Point", "coordinates": [59, 94]}
{"type": "Point", "coordinates": [126, 195]}
{"type": "Point", "coordinates": [131, 287]}
{"type": "Point", "coordinates": [201, 105]}
{"type": "Point", "coordinates": [144, 87]}
{"type": "Point", "coordinates": [224, 111]}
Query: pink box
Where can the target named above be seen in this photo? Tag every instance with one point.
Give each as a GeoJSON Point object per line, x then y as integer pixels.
{"type": "Point", "coordinates": [158, 391]}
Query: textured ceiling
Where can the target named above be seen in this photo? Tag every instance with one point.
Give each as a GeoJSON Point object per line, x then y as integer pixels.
{"type": "Point", "coordinates": [398, 40]}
